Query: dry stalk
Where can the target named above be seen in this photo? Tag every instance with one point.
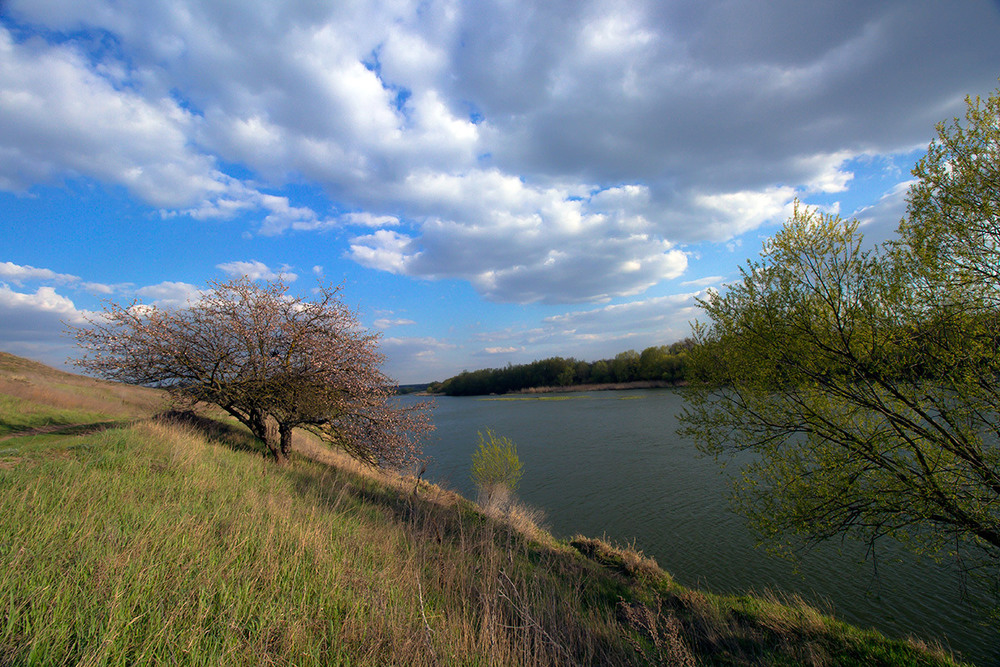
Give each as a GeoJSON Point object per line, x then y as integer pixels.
{"type": "Point", "coordinates": [665, 631]}
{"type": "Point", "coordinates": [427, 626]}
{"type": "Point", "coordinates": [522, 609]}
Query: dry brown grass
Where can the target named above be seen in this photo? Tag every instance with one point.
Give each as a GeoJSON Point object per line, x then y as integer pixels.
{"type": "Point", "coordinates": [626, 559]}
{"type": "Point", "coordinates": [472, 576]}
{"type": "Point", "coordinates": [666, 644]}
{"type": "Point", "coordinates": [33, 388]}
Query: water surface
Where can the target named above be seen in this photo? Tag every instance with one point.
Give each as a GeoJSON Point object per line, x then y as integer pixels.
{"type": "Point", "coordinates": [611, 464]}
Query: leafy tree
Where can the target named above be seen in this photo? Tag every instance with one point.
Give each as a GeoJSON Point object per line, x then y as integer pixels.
{"type": "Point", "coordinates": [273, 361]}
{"type": "Point", "coordinates": [496, 467]}
{"type": "Point", "coordinates": [864, 380]}
{"type": "Point", "coordinates": [600, 372]}
{"type": "Point", "coordinates": [953, 228]}
{"type": "Point", "coordinates": [652, 361]}
{"type": "Point", "coordinates": [625, 366]}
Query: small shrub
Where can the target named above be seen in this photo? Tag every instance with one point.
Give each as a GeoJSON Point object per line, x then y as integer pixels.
{"type": "Point", "coordinates": [496, 468]}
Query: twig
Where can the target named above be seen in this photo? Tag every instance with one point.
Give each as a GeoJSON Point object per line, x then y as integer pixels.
{"type": "Point", "coordinates": [522, 608]}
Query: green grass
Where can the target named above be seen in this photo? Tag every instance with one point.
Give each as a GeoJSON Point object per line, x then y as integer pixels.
{"type": "Point", "coordinates": [17, 414]}
{"type": "Point", "coordinates": [167, 541]}
{"type": "Point", "coordinates": [34, 396]}
{"type": "Point", "coordinates": [560, 397]}
{"type": "Point", "coordinates": [151, 544]}
{"type": "Point", "coordinates": [533, 398]}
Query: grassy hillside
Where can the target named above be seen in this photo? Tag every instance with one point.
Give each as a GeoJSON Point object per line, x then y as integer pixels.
{"type": "Point", "coordinates": [173, 540]}
{"type": "Point", "coordinates": [34, 396]}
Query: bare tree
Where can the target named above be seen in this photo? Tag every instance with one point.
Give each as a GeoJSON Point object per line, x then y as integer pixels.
{"type": "Point", "coordinates": [271, 360]}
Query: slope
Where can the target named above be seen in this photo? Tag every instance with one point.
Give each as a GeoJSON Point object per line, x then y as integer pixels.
{"type": "Point", "coordinates": [170, 539]}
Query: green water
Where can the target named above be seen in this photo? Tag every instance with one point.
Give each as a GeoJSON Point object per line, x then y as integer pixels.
{"type": "Point", "coordinates": [610, 464]}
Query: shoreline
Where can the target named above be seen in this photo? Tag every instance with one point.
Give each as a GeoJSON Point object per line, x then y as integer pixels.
{"type": "Point", "coordinates": [605, 386]}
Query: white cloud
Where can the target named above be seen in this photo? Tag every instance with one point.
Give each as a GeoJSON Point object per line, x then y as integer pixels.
{"type": "Point", "coordinates": [44, 301]}
{"type": "Point", "coordinates": [733, 213]}
{"type": "Point", "coordinates": [880, 220]}
{"type": "Point", "coordinates": [170, 294]}
{"type": "Point", "coordinates": [32, 324]}
{"type": "Point", "coordinates": [98, 288]}
{"type": "Point", "coordinates": [18, 274]}
{"type": "Point", "coordinates": [703, 282]}
{"type": "Point", "coordinates": [365, 219]}
{"type": "Point", "coordinates": [281, 215]}
{"type": "Point", "coordinates": [255, 270]}
{"type": "Point", "coordinates": [384, 250]}
{"type": "Point", "coordinates": [554, 152]}
{"type": "Point", "coordinates": [61, 117]}
{"type": "Point", "coordinates": [522, 243]}
{"type": "Point", "coordinates": [387, 323]}
{"type": "Point", "coordinates": [828, 174]}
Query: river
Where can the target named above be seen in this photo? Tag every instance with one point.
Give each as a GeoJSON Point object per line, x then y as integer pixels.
{"type": "Point", "coordinates": [611, 464]}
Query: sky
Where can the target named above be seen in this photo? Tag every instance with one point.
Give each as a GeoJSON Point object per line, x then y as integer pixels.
{"type": "Point", "coordinates": [490, 182]}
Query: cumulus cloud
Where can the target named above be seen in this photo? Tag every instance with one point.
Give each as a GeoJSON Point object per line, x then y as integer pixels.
{"type": "Point", "coordinates": [18, 274]}
{"type": "Point", "coordinates": [65, 116]}
{"type": "Point", "coordinates": [255, 270]}
{"type": "Point", "coordinates": [60, 116]}
{"type": "Point", "coordinates": [385, 250]}
{"type": "Point", "coordinates": [387, 323]}
{"type": "Point", "coordinates": [170, 294]}
{"type": "Point", "coordinates": [520, 243]}
{"type": "Point", "coordinates": [24, 311]}
{"type": "Point", "coordinates": [32, 323]}
{"type": "Point", "coordinates": [557, 152]}
{"type": "Point", "coordinates": [596, 333]}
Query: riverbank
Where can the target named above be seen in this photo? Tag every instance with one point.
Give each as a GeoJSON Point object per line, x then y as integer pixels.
{"type": "Point", "coordinates": [607, 386]}
{"type": "Point", "coordinates": [167, 540]}
{"type": "Point", "coordinates": [610, 386]}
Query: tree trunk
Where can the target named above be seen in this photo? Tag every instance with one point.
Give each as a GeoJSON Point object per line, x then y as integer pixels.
{"type": "Point", "coordinates": [285, 437]}
{"type": "Point", "coordinates": [266, 429]}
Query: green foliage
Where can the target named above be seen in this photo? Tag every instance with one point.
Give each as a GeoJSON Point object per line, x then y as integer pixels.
{"type": "Point", "coordinates": [496, 463]}
{"type": "Point", "coordinates": [953, 225]}
{"type": "Point", "coordinates": [864, 379]}
{"type": "Point", "coordinates": [658, 363]}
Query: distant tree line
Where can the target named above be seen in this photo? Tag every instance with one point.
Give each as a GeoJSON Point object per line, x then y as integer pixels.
{"type": "Point", "coordinates": [664, 363]}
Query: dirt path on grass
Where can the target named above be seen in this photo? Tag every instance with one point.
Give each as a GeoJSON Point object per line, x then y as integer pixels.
{"type": "Point", "coordinates": [70, 429]}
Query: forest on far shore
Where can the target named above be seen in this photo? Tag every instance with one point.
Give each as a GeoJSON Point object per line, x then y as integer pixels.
{"type": "Point", "coordinates": [660, 363]}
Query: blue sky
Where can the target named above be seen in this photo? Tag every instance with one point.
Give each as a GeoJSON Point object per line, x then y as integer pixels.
{"type": "Point", "coordinates": [491, 182]}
